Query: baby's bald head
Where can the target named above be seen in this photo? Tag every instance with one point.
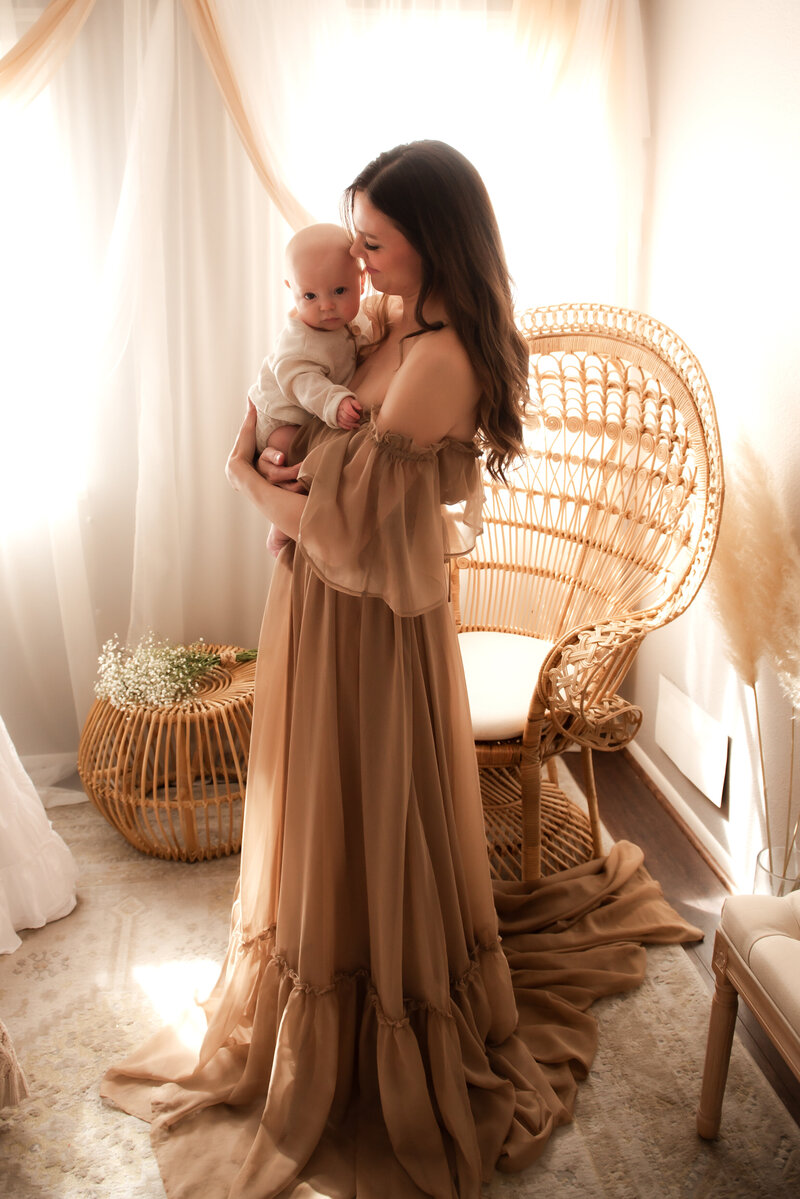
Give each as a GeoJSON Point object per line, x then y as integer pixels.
{"type": "Point", "coordinates": [315, 242]}
{"type": "Point", "coordinates": [325, 280]}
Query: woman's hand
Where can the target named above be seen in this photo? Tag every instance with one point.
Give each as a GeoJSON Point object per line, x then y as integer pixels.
{"type": "Point", "coordinates": [270, 467]}
{"type": "Point", "coordinates": [271, 500]}
{"type": "Point", "coordinates": [270, 464]}
{"type": "Point", "coordinates": [240, 459]}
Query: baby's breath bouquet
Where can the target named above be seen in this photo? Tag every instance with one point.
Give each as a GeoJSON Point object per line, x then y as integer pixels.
{"type": "Point", "coordinates": [155, 673]}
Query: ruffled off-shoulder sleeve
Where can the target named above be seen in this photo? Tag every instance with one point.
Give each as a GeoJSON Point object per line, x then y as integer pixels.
{"type": "Point", "coordinates": [383, 514]}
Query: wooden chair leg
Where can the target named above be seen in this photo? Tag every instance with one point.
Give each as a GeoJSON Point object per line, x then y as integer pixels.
{"type": "Point", "coordinates": [591, 801]}
{"type": "Point", "coordinates": [552, 770]}
{"type": "Point", "coordinates": [718, 1053]}
{"type": "Point", "coordinates": [531, 785]}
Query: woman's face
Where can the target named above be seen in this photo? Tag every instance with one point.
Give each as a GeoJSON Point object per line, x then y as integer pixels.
{"type": "Point", "coordinates": [392, 263]}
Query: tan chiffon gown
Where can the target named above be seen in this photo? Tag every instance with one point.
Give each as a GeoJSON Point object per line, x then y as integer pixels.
{"type": "Point", "coordinates": [369, 1034]}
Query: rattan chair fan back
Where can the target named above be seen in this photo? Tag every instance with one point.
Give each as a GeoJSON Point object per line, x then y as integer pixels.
{"type": "Point", "coordinates": [604, 532]}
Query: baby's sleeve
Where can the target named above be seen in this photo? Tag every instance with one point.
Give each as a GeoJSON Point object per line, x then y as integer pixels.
{"type": "Point", "coordinates": [314, 391]}
{"type": "Point", "coordinates": [317, 380]}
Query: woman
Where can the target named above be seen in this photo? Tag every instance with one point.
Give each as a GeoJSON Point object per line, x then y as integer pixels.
{"type": "Point", "coordinates": [364, 1037]}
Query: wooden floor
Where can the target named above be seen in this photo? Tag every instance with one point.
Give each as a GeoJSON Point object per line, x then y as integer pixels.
{"type": "Point", "coordinates": [631, 810]}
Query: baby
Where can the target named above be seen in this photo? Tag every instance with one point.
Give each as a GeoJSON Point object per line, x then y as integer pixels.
{"type": "Point", "coordinates": [315, 355]}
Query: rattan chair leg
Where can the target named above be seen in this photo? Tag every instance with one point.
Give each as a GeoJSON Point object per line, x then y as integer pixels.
{"type": "Point", "coordinates": [531, 787]}
{"type": "Point", "coordinates": [552, 770]}
{"type": "Point", "coordinates": [718, 1053]}
{"type": "Point", "coordinates": [591, 800]}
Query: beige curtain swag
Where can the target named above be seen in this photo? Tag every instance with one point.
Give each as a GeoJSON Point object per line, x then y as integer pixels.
{"type": "Point", "coordinates": [30, 65]}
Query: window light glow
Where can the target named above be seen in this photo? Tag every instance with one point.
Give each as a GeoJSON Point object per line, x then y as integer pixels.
{"type": "Point", "coordinates": [175, 990]}
{"type": "Point", "coordinates": [544, 151]}
{"type": "Point", "coordinates": [541, 144]}
{"type": "Point", "coordinates": [45, 388]}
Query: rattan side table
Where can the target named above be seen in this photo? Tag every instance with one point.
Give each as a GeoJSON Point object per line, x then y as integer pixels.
{"type": "Point", "coordinates": [172, 779]}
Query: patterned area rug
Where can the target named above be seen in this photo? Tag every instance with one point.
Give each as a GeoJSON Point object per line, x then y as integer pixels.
{"type": "Point", "coordinates": [146, 935]}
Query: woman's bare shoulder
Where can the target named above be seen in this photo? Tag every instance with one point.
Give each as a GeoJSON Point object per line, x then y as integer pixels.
{"type": "Point", "coordinates": [440, 360]}
{"type": "Point", "coordinates": [435, 392]}
{"type": "Point", "coordinates": [442, 344]}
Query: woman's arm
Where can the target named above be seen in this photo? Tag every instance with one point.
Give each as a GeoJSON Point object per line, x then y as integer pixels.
{"type": "Point", "coordinates": [284, 508]}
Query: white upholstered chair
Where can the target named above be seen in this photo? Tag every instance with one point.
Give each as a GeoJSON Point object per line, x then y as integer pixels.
{"type": "Point", "coordinates": [604, 532]}
{"type": "Point", "coordinates": [757, 957]}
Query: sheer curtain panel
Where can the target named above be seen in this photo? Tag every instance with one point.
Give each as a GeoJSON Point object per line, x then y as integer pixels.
{"type": "Point", "coordinates": [159, 154]}
{"type": "Point", "coordinates": [137, 299]}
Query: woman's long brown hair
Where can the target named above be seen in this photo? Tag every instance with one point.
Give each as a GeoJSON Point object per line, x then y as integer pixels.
{"type": "Point", "coordinates": [438, 201]}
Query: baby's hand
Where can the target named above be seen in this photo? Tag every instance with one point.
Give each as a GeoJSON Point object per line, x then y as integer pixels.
{"type": "Point", "coordinates": [348, 414]}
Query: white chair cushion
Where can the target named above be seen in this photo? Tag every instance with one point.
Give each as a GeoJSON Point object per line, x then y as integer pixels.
{"type": "Point", "coordinates": [501, 671]}
{"type": "Point", "coordinates": [765, 930]}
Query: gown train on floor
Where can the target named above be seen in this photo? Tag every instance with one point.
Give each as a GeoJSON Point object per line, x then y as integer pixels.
{"type": "Point", "coordinates": [386, 1022]}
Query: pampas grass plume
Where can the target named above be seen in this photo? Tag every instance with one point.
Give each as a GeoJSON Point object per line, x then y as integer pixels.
{"type": "Point", "coordinates": [754, 580]}
{"type": "Point", "coordinates": [783, 633]}
{"type": "Point", "coordinates": [744, 579]}
{"type": "Point", "coordinates": [761, 562]}
{"type": "Point", "coordinates": [754, 591]}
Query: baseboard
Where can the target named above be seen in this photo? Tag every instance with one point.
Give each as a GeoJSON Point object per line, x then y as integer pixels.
{"type": "Point", "coordinates": [692, 827]}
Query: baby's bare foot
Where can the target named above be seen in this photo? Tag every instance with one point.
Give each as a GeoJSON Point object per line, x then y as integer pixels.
{"type": "Point", "coordinates": [276, 540]}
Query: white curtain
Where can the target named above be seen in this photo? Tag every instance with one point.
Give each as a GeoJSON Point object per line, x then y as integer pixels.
{"type": "Point", "coordinates": [141, 284]}
{"type": "Point", "coordinates": [547, 97]}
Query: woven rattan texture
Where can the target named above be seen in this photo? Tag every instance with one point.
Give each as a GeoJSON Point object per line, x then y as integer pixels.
{"type": "Point", "coordinates": [614, 510]}
{"type": "Point", "coordinates": [172, 779]}
{"type": "Point", "coordinates": [566, 835]}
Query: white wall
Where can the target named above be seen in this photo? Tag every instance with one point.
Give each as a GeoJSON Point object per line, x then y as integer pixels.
{"type": "Point", "coordinates": [721, 266]}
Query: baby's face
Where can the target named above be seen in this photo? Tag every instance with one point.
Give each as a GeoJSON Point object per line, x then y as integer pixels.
{"type": "Point", "coordinates": [326, 288]}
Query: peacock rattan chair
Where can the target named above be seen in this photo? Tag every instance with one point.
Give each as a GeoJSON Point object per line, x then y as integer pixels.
{"type": "Point", "coordinates": [604, 532]}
